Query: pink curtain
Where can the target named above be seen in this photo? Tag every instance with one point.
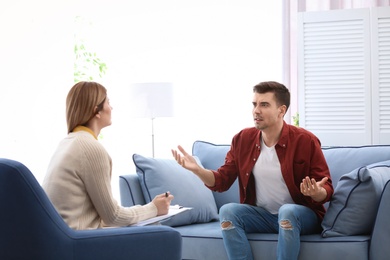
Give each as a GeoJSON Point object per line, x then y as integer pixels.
{"type": "Point", "coordinates": [290, 10]}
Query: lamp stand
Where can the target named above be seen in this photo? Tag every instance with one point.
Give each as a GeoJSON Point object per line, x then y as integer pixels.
{"type": "Point", "coordinates": [153, 137]}
{"type": "Point", "coordinates": [151, 100]}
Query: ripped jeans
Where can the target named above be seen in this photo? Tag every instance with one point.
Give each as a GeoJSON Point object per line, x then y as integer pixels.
{"type": "Point", "coordinates": [238, 219]}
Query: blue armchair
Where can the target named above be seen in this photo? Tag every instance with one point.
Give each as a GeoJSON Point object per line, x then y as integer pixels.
{"type": "Point", "coordinates": [31, 228]}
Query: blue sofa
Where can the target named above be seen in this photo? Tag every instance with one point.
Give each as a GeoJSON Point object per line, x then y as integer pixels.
{"type": "Point", "coordinates": [31, 228]}
{"type": "Point", "coordinates": [355, 226]}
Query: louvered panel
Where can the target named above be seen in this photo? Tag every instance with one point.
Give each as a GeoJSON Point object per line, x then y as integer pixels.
{"type": "Point", "coordinates": [334, 82]}
{"type": "Point", "coordinates": [384, 74]}
{"type": "Point", "coordinates": [380, 21]}
{"type": "Point", "coordinates": [333, 79]}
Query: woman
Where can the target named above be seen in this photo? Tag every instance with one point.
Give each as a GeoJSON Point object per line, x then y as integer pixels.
{"type": "Point", "coordinates": [78, 179]}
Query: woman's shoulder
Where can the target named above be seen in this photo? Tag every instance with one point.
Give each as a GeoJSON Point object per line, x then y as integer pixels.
{"type": "Point", "coordinates": [86, 143]}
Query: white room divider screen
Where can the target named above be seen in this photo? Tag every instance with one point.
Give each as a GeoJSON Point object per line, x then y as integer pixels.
{"type": "Point", "coordinates": [344, 75]}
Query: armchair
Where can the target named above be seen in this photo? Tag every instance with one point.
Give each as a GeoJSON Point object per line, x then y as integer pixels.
{"type": "Point", "coordinates": [31, 228]}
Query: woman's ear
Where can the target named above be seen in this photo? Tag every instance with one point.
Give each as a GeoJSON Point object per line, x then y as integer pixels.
{"type": "Point", "coordinates": [97, 113]}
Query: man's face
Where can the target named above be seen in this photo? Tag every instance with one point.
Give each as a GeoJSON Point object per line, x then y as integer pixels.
{"type": "Point", "coordinates": [266, 112]}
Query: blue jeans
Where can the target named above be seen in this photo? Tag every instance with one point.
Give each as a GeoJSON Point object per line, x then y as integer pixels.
{"type": "Point", "coordinates": [291, 222]}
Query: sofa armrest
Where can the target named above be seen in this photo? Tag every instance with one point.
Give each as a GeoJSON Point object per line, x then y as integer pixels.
{"type": "Point", "coordinates": [380, 239]}
{"type": "Point", "coordinates": [148, 242]}
{"type": "Point", "coordinates": [130, 190]}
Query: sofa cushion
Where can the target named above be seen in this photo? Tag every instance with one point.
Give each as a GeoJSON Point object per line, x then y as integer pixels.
{"type": "Point", "coordinates": [157, 176]}
{"type": "Point", "coordinates": [354, 204]}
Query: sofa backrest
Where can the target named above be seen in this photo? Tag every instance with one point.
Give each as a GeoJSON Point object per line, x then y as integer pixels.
{"type": "Point", "coordinates": [341, 160]}
{"type": "Point", "coordinates": [344, 159]}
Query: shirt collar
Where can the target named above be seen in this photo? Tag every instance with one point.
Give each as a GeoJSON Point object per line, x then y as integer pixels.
{"type": "Point", "coordinates": [84, 128]}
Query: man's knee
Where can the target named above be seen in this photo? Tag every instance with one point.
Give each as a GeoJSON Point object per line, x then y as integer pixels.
{"type": "Point", "coordinates": [228, 215]}
{"type": "Point", "coordinates": [287, 211]}
{"type": "Point", "coordinates": [287, 208]}
{"type": "Point", "coordinates": [227, 210]}
{"type": "Point", "coordinates": [226, 225]}
{"type": "Point", "coordinates": [285, 224]}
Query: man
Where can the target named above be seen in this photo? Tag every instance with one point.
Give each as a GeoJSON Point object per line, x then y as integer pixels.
{"type": "Point", "coordinates": [283, 178]}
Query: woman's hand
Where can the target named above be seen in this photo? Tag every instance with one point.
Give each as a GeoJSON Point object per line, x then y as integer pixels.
{"type": "Point", "coordinates": [162, 203]}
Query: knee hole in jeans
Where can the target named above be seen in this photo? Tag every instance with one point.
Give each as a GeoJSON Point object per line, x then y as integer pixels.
{"type": "Point", "coordinates": [226, 225]}
{"type": "Point", "coordinates": [286, 224]}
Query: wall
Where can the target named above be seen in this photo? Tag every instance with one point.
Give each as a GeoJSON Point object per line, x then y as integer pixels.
{"type": "Point", "coordinates": [212, 51]}
{"type": "Point", "coordinates": [35, 72]}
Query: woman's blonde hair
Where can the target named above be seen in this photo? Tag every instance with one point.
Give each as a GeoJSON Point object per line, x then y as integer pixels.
{"type": "Point", "coordinates": [84, 100]}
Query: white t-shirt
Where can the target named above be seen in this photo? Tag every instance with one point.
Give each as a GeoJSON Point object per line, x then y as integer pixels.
{"type": "Point", "coordinates": [271, 189]}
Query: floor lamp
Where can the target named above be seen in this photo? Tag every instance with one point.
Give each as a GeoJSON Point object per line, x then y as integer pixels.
{"type": "Point", "coordinates": [152, 100]}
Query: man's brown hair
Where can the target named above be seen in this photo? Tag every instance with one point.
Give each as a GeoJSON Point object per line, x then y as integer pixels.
{"type": "Point", "coordinates": [282, 94]}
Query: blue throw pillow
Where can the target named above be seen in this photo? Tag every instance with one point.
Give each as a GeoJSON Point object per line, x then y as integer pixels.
{"type": "Point", "coordinates": [353, 208]}
{"type": "Point", "coordinates": [160, 175]}
{"type": "Point", "coordinates": [212, 157]}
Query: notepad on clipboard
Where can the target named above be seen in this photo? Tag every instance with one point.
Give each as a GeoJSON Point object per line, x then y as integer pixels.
{"type": "Point", "coordinates": [173, 210]}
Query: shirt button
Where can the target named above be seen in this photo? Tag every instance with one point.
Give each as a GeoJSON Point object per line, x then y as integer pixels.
{"type": "Point", "coordinates": [254, 159]}
{"type": "Point", "coordinates": [247, 174]}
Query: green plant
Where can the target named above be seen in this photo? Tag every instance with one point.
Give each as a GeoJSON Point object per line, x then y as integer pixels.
{"type": "Point", "coordinates": [87, 65]}
{"type": "Point", "coordinates": [296, 119]}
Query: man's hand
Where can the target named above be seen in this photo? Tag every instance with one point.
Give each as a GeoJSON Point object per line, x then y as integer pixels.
{"type": "Point", "coordinates": [186, 160]}
{"type": "Point", "coordinates": [314, 189]}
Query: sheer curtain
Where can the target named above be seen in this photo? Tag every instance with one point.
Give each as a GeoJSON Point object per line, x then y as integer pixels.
{"type": "Point", "coordinates": [291, 8]}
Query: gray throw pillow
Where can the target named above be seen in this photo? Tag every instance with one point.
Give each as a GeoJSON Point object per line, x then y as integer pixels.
{"type": "Point", "coordinates": [157, 176]}
{"type": "Point", "coordinates": [353, 208]}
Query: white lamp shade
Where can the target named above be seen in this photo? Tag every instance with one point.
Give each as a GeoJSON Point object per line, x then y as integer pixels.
{"type": "Point", "coordinates": [151, 99]}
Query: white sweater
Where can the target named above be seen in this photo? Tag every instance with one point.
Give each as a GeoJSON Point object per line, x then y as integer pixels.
{"type": "Point", "coordinates": [78, 183]}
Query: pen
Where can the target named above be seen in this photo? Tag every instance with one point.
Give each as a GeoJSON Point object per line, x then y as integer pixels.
{"type": "Point", "coordinates": [176, 206]}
